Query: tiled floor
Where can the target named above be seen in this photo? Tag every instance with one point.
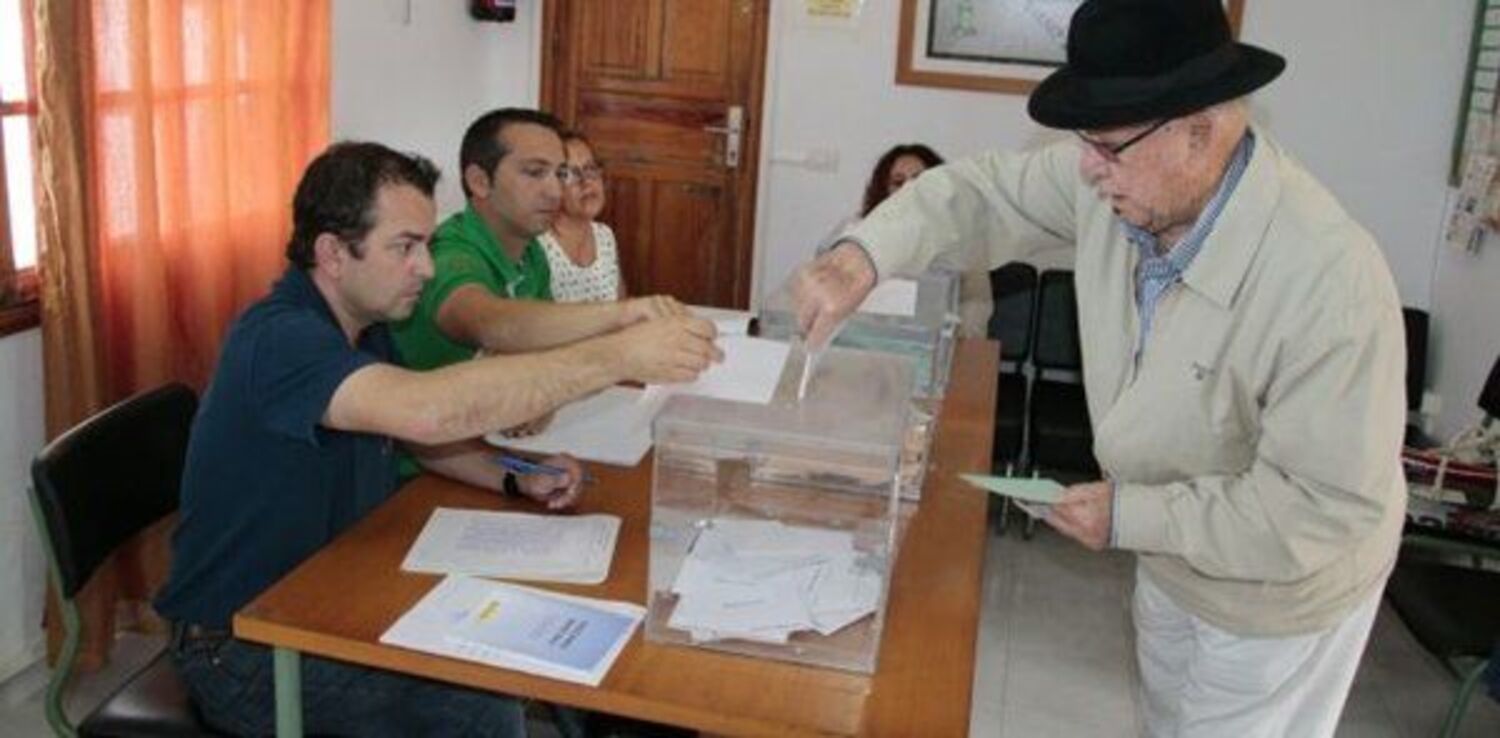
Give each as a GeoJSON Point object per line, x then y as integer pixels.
{"type": "Point", "coordinates": [1055, 659]}
{"type": "Point", "coordinates": [1056, 655]}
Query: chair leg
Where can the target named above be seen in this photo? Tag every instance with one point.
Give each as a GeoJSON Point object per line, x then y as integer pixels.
{"type": "Point", "coordinates": [1461, 700]}
{"type": "Point", "coordinates": [72, 638]}
{"type": "Point", "coordinates": [57, 717]}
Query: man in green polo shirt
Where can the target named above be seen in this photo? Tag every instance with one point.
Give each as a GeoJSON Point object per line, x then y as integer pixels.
{"type": "Point", "coordinates": [492, 286]}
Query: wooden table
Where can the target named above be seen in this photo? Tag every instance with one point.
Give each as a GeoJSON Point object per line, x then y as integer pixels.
{"type": "Point", "coordinates": [337, 604]}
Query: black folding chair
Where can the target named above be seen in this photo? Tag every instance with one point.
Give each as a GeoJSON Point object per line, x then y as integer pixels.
{"type": "Point", "coordinates": [94, 488]}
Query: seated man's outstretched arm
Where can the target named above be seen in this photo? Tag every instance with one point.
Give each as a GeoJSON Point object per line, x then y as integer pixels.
{"type": "Point", "coordinates": [471, 398]}
{"type": "Point", "coordinates": [474, 316]}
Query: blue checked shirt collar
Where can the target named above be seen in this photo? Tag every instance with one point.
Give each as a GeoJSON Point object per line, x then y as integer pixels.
{"type": "Point", "coordinates": [1155, 274]}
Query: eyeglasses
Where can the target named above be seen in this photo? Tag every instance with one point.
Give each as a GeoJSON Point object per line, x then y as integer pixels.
{"type": "Point", "coordinates": [578, 175]}
{"type": "Point", "coordinates": [1111, 152]}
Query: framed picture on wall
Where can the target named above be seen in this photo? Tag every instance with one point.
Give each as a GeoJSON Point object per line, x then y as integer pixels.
{"type": "Point", "coordinates": [989, 45]}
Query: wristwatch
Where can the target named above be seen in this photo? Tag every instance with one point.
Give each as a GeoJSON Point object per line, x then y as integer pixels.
{"type": "Point", "coordinates": [511, 487]}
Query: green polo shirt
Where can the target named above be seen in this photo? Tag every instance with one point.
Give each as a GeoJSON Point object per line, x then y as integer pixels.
{"type": "Point", "coordinates": [464, 251]}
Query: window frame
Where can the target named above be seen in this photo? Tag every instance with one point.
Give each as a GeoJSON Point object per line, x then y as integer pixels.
{"type": "Point", "coordinates": [19, 300]}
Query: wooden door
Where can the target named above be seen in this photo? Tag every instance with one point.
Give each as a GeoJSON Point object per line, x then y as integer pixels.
{"type": "Point", "coordinates": [657, 86]}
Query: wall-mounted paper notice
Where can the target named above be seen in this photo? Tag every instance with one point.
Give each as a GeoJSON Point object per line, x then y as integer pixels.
{"type": "Point", "coordinates": [1466, 220]}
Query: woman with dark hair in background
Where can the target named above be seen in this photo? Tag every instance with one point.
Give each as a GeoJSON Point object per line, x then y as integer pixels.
{"type": "Point", "coordinates": [897, 166]}
{"type": "Point", "coordinates": [902, 164]}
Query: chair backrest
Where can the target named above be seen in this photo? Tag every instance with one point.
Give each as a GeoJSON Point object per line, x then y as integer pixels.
{"type": "Point", "coordinates": [1013, 289]}
{"type": "Point", "coordinates": [101, 482]}
{"type": "Point", "coordinates": [1415, 320]}
{"type": "Point", "coordinates": [1057, 323]}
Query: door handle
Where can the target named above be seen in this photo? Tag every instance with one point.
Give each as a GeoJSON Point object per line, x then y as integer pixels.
{"type": "Point", "coordinates": [732, 130]}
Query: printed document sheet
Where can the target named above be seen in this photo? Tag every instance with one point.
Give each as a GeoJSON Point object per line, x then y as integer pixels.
{"type": "Point", "coordinates": [574, 639]}
{"type": "Point", "coordinates": [544, 548]}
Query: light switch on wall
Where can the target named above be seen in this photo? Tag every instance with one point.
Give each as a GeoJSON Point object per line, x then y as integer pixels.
{"type": "Point", "coordinates": [823, 160]}
{"type": "Point", "coordinates": [817, 160]}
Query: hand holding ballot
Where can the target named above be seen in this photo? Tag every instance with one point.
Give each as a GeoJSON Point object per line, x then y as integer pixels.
{"type": "Point", "coordinates": [1083, 513]}
{"type": "Point", "coordinates": [826, 290]}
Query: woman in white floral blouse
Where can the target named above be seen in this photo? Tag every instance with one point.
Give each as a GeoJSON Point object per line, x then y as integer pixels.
{"type": "Point", "coordinates": [581, 251]}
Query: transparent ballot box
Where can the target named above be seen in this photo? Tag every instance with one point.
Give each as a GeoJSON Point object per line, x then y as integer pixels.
{"type": "Point", "coordinates": [927, 333]}
{"type": "Point", "coordinates": [774, 528]}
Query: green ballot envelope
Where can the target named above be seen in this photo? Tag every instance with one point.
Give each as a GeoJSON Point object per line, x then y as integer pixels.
{"type": "Point", "coordinates": [1029, 489]}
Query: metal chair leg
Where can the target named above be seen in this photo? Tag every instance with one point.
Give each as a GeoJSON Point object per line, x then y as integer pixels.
{"type": "Point", "coordinates": [1461, 700]}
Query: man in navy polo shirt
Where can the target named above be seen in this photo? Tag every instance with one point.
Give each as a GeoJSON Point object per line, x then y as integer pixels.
{"type": "Point", "coordinates": [294, 442]}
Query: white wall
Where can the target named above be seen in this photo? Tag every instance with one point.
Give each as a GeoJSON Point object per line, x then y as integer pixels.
{"type": "Point", "coordinates": [22, 564]}
{"type": "Point", "coordinates": [413, 73]}
{"type": "Point", "coordinates": [830, 89]}
{"type": "Point", "coordinates": [1466, 331]}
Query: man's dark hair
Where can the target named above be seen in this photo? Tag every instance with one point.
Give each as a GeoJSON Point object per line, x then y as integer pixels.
{"type": "Point", "coordinates": [338, 190]}
{"type": "Point", "coordinates": [482, 146]}
{"type": "Point", "coordinates": [875, 190]}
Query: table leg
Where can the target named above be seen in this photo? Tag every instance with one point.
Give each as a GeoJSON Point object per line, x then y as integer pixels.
{"type": "Point", "coordinates": [288, 668]}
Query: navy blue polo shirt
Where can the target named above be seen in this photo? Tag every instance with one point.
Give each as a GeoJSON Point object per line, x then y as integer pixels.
{"type": "Point", "coordinates": [266, 485]}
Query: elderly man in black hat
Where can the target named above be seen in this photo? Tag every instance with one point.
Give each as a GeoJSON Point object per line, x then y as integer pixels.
{"type": "Point", "coordinates": [1243, 359]}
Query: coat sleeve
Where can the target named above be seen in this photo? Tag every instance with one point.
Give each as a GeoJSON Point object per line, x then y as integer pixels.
{"type": "Point", "coordinates": [976, 213]}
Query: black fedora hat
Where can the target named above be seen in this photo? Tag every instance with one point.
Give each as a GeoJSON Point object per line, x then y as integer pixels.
{"type": "Point", "coordinates": [1134, 61]}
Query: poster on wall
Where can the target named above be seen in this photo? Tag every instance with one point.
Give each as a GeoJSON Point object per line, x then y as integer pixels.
{"type": "Point", "coordinates": [1030, 32]}
{"type": "Point", "coordinates": [989, 45]}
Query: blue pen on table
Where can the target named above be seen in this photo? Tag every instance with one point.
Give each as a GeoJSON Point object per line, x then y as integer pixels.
{"type": "Point", "coordinates": [518, 465]}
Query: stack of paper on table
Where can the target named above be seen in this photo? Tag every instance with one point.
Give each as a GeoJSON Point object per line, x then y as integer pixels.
{"type": "Point", "coordinates": [614, 426]}
{"type": "Point", "coordinates": [546, 548]}
{"type": "Point", "coordinates": [574, 639]}
{"type": "Point", "coordinates": [765, 580]}
{"type": "Point", "coordinates": [610, 427]}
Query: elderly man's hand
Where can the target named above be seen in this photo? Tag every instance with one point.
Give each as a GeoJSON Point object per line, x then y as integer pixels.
{"type": "Point", "coordinates": [829, 288]}
{"type": "Point", "coordinates": [1084, 513]}
{"type": "Point", "coordinates": [557, 491]}
{"type": "Point", "coordinates": [650, 307]}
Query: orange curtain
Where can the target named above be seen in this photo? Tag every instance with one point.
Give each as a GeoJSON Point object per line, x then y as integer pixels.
{"type": "Point", "coordinates": [171, 134]}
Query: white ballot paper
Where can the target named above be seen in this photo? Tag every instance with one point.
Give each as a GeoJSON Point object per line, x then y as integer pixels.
{"type": "Point", "coordinates": [892, 297]}
{"type": "Point", "coordinates": [614, 426]}
{"type": "Point", "coordinates": [728, 322]}
{"type": "Point", "coordinates": [764, 580]}
{"type": "Point", "coordinates": [610, 427]}
{"type": "Point", "coordinates": [544, 548]}
{"type": "Point", "coordinates": [574, 639]}
{"type": "Point", "coordinates": [1027, 489]}
{"type": "Point", "coordinates": [749, 373]}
